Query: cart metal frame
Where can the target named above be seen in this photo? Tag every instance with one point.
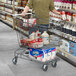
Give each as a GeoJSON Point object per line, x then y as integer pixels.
{"type": "Point", "coordinates": [21, 53]}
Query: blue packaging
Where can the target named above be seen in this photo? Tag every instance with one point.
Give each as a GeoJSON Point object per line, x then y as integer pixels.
{"type": "Point", "coordinates": [42, 54]}
{"type": "Point", "coordinates": [72, 48]}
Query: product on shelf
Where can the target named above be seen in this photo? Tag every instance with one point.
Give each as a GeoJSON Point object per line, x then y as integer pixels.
{"type": "Point", "coordinates": [65, 45]}
{"type": "Point", "coordinates": [8, 10]}
{"type": "Point", "coordinates": [63, 15]}
{"type": "Point", "coordinates": [74, 5]}
{"type": "Point", "coordinates": [74, 18]}
{"type": "Point", "coordinates": [9, 18]}
{"type": "Point", "coordinates": [69, 16]}
{"type": "Point", "coordinates": [66, 4]}
{"type": "Point", "coordinates": [72, 48]}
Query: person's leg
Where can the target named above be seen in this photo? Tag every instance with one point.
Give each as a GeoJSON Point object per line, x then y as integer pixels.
{"type": "Point", "coordinates": [33, 29]}
{"type": "Point", "coordinates": [43, 27]}
{"type": "Point", "coordinates": [40, 27]}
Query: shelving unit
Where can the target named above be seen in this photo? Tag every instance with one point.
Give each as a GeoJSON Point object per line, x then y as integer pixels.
{"type": "Point", "coordinates": [56, 21]}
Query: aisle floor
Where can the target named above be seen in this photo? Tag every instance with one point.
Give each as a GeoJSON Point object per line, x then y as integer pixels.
{"type": "Point", "coordinates": [8, 44]}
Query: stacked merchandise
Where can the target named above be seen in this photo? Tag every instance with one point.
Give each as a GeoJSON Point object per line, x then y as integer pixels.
{"type": "Point", "coordinates": [39, 46]}
{"type": "Point", "coordinates": [65, 29]}
{"type": "Point", "coordinates": [64, 4]}
{"type": "Point", "coordinates": [74, 8]}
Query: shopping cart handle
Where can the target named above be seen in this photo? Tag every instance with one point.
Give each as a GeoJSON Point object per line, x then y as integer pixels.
{"type": "Point", "coordinates": [15, 15]}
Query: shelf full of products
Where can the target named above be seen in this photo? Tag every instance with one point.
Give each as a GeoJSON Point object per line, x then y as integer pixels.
{"type": "Point", "coordinates": [64, 26]}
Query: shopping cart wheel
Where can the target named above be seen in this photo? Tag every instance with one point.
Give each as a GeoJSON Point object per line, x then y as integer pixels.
{"type": "Point", "coordinates": [54, 64]}
{"type": "Point", "coordinates": [45, 67]}
{"type": "Point", "coordinates": [14, 60]}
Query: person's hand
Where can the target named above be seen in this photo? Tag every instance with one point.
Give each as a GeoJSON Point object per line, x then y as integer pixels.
{"type": "Point", "coordinates": [56, 12]}
{"type": "Point", "coordinates": [23, 14]}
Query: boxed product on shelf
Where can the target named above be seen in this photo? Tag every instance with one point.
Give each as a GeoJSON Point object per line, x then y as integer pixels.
{"type": "Point", "coordinates": [72, 48]}
{"type": "Point", "coordinates": [65, 45]}
{"type": "Point", "coordinates": [9, 18]}
{"type": "Point", "coordinates": [8, 10]}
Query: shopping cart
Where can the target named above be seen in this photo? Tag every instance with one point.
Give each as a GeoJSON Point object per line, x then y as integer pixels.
{"type": "Point", "coordinates": [44, 55]}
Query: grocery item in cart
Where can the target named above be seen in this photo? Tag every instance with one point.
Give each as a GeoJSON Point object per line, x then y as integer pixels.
{"type": "Point", "coordinates": [45, 37]}
{"type": "Point", "coordinates": [32, 35]}
{"type": "Point", "coordinates": [42, 54]}
{"type": "Point", "coordinates": [38, 34]}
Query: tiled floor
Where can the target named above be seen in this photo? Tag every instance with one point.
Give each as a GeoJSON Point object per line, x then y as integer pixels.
{"type": "Point", "coordinates": [8, 44]}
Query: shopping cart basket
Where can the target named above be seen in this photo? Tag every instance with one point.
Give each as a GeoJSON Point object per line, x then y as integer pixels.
{"type": "Point", "coordinates": [44, 55]}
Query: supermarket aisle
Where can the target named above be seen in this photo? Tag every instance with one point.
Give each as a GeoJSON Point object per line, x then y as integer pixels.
{"type": "Point", "coordinates": [8, 43]}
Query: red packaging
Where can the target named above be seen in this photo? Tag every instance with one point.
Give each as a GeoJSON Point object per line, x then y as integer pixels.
{"type": "Point", "coordinates": [40, 40]}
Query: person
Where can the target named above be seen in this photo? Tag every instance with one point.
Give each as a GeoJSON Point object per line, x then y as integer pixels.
{"type": "Point", "coordinates": [41, 8]}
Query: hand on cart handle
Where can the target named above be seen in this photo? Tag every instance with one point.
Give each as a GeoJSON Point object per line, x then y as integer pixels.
{"type": "Point", "coordinates": [15, 15]}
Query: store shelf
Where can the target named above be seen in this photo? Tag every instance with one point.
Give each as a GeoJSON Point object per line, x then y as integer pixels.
{"type": "Point", "coordinates": [16, 7]}
{"type": "Point", "coordinates": [67, 10]}
{"type": "Point", "coordinates": [71, 22]}
{"type": "Point", "coordinates": [4, 12]}
{"type": "Point", "coordinates": [55, 19]}
{"type": "Point", "coordinates": [67, 37]}
{"type": "Point", "coordinates": [66, 56]}
{"type": "Point", "coordinates": [65, 52]}
{"type": "Point", "coordinates": [16, 28]}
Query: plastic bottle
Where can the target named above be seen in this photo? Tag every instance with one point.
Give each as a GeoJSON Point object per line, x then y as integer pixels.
{"type": "Point", "coordinates": [63, 15]}
{"type": "Point", "coordinates": [45, 37]}
{"type": "Point", "coordinates": [38, 34]}
{"type": "Point", "coordinates": [74, 5]}
{"type": "Point", "coordinates": [32, 36]}
{"type": "Point", "coordinates": [69, 16]}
